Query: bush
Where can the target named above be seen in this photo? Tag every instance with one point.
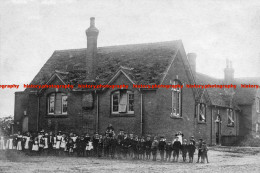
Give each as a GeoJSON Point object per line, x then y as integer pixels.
{"type": "Point", "coordinates": [250, 141]}
{"type": "Point", "coordinates": [6, 124]}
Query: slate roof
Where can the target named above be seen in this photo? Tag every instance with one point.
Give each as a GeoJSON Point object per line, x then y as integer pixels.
{"type": "Point", "coordinates": [246, 96]}
{"type": "Point", "coordinates": [219, 97]}
{"type": "Point", "coordinates": [144, 63]}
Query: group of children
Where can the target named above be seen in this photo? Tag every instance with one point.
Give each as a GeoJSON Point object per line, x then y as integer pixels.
{"type": "Point", "coordinates": [109, 145]}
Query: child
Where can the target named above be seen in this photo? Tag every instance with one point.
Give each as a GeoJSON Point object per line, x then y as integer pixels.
{"type": "Point", "coordinates": [204, 152]}
{"type": "Point", "coordinates": [154, 148]}
{"type": "Point", "coordinates": [199, 150]}
{"type": "Point", "coordinates": [35, 146]}
{"type": "Point", "coordinates": [142, 151]}
{"type": "Point", "coordinates": [19, 140]}
{"type": "Point", "coordinates": [168, 149]}
{"type": "Point", "coordinates": [191, 150]}
{"type": "Point", "coordinates": [2, 143]}
{"type": "Point", "coordinates": [148, 145]}
{"type": "Point", "coordinates": [176, 149]}
{"type": "Point", "coordinates": [70, 147]}
{"type": "Point", "coordinates": [161, 147]}
{"type": "Point", "coordinates": [184, 149]}
{"type": "Point", "coordinates": [89, 148]}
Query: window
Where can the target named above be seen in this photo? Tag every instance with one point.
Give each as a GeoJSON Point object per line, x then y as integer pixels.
{"type": "Point", "coordinates": [123, 102]}
{"type": "Point", "coordinates": [230, 115]}
{"type": "Point", "coordinates": [176, 100]}
{"type": "Point", "coordinates": [57, 104]}
{"type": "Point", "coordinates": [202, 112]}
{"type": "Point", "coordinates": [258, 105]}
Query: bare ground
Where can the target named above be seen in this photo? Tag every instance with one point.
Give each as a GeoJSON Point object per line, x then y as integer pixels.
{"type": "Point", "coordinates": [221, 160]}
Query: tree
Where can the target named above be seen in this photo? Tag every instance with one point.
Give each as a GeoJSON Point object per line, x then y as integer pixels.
{"type": "Point", "coordinates": [6, 124]}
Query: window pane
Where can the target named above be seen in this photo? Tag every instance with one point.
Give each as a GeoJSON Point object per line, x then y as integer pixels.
{"type": "Point", "coordinates": [131, 102]}
{"type": "Point", "coordinates": [64, 104]}
{"type": "Point", "coordinates": [123, 102]}
{"type": "Point", "coordinates": [58, 103]}
{"type": "Point", "coordinates": [115, 102]}
{"type": "Point", "coordinates": [51, 103]}
{"type": "Point", "coordinates": [202, 112]}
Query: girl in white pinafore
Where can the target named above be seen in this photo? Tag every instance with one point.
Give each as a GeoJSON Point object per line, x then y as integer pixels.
{"type": "Point", "coordinates": [58, 141]}
{"type": "Point", "coordinates": [89, 148]}
{"type": "Point", "coordinates": [63, 142]}
{"type": "Point", "coordinates": [9, 143]}
{"type": "Point", "coordinates": [19, 139]}
{"type": "Point", "coordinates": [27, 140]}
{"type": "Point", "coordinates": [35, 146]}
{"type": "Point", "coordinates": [2, 143]}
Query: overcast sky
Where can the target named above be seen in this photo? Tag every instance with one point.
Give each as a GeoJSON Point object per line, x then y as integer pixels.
{"type": "Point", "coordinates": [30, 30]}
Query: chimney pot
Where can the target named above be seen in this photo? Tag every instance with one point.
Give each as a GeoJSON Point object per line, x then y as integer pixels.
{"type": "Point", "coordinates": [92, 22]}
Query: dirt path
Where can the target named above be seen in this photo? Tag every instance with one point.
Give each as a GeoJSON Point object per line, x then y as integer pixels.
{"type": "Point", "coordinates": [219, 162]}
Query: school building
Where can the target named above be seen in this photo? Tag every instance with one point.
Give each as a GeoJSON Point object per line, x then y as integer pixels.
{"type": "Point", "coordinates": [204, 113]}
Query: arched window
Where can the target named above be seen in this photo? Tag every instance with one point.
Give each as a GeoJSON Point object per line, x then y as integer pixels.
{"type": "Point", "coordinates": [176, 100]}
{"type": "Point", "coordinates": [122, 102]}
{"type": "Point", "coordinates": [57, 104]}
{"type": "Point", "coordinates": [201, 112]}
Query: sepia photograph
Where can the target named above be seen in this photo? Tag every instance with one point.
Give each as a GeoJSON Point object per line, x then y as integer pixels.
{"type": "Point", "coordinates": [129, 86]}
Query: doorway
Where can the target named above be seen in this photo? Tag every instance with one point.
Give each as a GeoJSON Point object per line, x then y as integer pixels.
{"type": "Point", "coordinates": [25, 124]}
{"type": "Point", "coordinates": [218, 130]}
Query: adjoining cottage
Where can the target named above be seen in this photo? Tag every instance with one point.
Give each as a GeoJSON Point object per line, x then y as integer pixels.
{"type": "Point", "coordinates": [203, 113]}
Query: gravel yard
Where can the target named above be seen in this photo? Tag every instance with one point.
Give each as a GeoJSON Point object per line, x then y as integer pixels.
{"type": "Point", "coordinates": [221, 160]}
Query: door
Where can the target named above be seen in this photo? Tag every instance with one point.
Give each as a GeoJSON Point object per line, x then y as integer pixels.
{"type": "Point", "coordinates": [218, 129]}
{"type": "Point", "coordinates": [25, 124]}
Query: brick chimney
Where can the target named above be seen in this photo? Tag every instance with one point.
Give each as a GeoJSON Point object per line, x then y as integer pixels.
{"type": "Point", "coordinates": [91, 54]}
{"type": "Point", "coordinates": [192, 61]}
{"type": "Point", "coordinates": [229, 73]}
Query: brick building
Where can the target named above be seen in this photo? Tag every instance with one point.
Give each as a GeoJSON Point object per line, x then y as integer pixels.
{"type": "Point", "coordinates": [205, 113]}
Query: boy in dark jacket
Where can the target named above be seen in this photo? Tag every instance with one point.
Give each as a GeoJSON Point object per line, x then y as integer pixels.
{"type": "Point", "coordinates": [161, 147]}
{"type": "Point", "coordinates": [204, 152]}
{"type": "Point", "coordinates": [199, 150]}
{"type": "Point", "coordinates": [148, 145]}
{"type": "Point", "coordinates": [184, 149]}
{"type": "Point", "coordinates": [154, 148]}
{"type": "Point", "coordinates": [191, 151]}
{"type": "Point", "coordinates": [168, 149]}
{"type": "Point", "coordinates": [176, 149]}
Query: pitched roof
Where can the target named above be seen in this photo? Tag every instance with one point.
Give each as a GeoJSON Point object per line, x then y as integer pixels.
{"type": "Point", "coordinates": [144, 63]}
{"type": "Point", "coordinates": [246, 96]}
{"type": "Point", "coordinates": [218, 97]}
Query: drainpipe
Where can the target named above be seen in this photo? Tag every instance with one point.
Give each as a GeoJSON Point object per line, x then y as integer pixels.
{"type": "Point", "coordinates": [211, 129]}
{"type": "Point", "coordinates": [141, 113]}
{"type": "Point", "coordinates": [97, 121]}
{"type": "Point", "coordinates": [38, 113]}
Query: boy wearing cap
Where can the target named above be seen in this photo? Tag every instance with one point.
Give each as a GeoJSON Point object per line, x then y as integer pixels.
{"type": "Point", "coordinates": [154, 148]}
{"type": "Point", "coordinates": [148, 145]}
{"type": "Point", "coordinates": [191, 150]}
{"type": "Point", "coordinates": [184, 149]}
{"type": "Point", "coordinates": [168, 149]}
{"type": "Point", "coordinates": [176, 149]}
{"type": "Point", "coordinates": [204, 152]}
{"type": "Point", "coordinates": [199, 150]}
{"type": "Point", "coordinates": [161, 147]}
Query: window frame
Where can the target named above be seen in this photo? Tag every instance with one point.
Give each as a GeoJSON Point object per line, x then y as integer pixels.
{"type": "Point", "coordinates": [55, 102]}
{"type": "Point", "coordinates": [257, 104]}
{"type": "Point", "coordinates": [178, 92]}
{"type": "Point", "coordinates": [117, 92]}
